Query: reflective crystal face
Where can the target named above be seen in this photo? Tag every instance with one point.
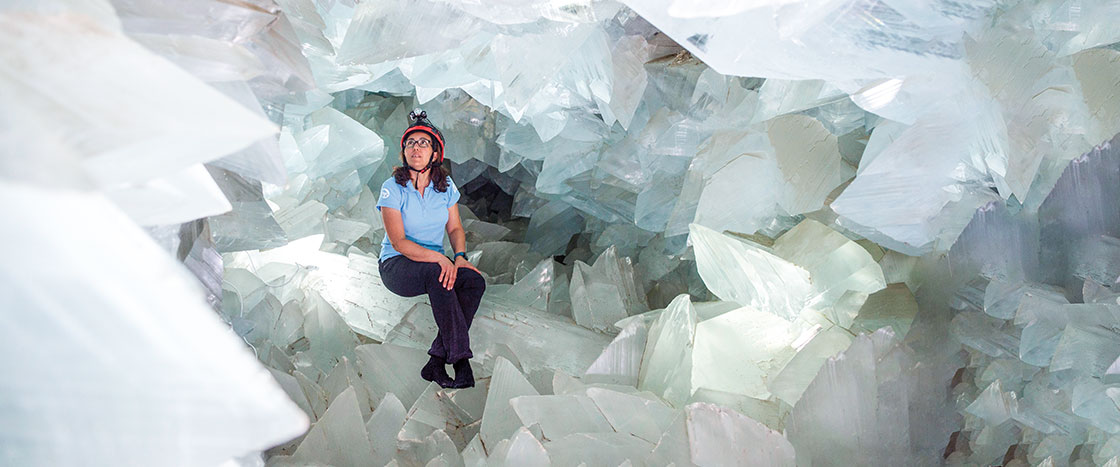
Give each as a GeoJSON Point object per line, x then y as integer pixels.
{"type": "Point", "coordinates": [786, 232]}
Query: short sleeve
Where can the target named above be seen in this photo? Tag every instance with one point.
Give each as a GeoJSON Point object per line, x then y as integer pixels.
{"type": "Point", "coordinates": [390, 196]}
{"type": "Point", "coordinates": [453, 196]}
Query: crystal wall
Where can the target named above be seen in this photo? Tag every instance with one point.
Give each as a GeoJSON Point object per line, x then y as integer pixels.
{"type": "Point", "coordinates": [768, 232]}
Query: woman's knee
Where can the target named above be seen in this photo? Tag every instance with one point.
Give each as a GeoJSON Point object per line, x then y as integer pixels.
{"type": "Point", "coordinates": [431, 271]}
{"type": "Point", "coordinates": [472, 279]}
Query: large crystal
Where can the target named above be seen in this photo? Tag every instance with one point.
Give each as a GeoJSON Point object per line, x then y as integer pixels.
{"type": "Point", "coordinates": [147, 160]}
{"type": "Point", "coordinates": [500, 420]}
{"type": "Point", "coordinates": [867, 389]}
{"type": "Point", "coordinates": [667, 361]}
{"type": "Point", "coordinates": [710, 426]}
{"type": "Point", "coordinates": [338, 438]}
{"type": "Point", "coordinates": [604, 293]}
{"type": "Point", "coordinates": [748, 274]}
{"type": "Point", "coordinates": [129, 361]}
{"type": "Point", "coordinates": [559, 416]}
{"type": "Point", "coordinates": [759, 341]}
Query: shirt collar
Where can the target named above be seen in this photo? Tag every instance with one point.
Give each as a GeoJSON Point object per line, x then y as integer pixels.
{"type": "Point", "coordinates": [410, 185]}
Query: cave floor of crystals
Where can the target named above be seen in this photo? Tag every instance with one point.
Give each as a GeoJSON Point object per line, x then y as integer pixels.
{"type": "Point", "coordinates": [774, 232]}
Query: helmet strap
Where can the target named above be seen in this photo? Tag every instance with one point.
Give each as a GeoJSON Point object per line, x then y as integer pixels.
{"type": "Point", "coordinates": [425, 169]}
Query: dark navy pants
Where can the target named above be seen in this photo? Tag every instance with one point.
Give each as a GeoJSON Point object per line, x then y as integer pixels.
{"type": "Point", "coordinates": [453, 309]}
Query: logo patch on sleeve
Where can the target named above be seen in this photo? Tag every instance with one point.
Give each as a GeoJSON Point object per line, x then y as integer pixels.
{"type": "Point", "coordinates": [384, 193]}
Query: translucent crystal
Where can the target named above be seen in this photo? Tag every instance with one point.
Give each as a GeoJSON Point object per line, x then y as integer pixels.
{"type": "Point", "coordinates": [724, 171]}
{"type": "Point", "coordinates": [627, 56]}
{"type": "Point", "coordinates": [842, 272]}
{"type": "Point", "coordinates": [344, 377]}
{"type": "Point", "coordinates": [250, 225]}
{"type": "Point", "coordinates": [500, 421]}
{"type": "Point", "coordinates": [1002, 299]}
{"type": "Point", "coordinates": [130, 313]}
{"type": "Point", "coordinates": [1085, 349]}
{"type": "Point", "coordinates": [1090, 399]}
{"type": "Point", "coordinates": [866, 390]}
{"type": "Point", "coordinates": [191, 191]}
{"type": "Point", "coordinates": [604, 293]}
{"type": "Point", "coordinates": [748, 274]}
{"type": "Point", "coordinates": [595, 304]}
{"type": "Point", "coordinates": [621, 361]}
{"type": "Point", "coordinates": [576, 131]}
{"type": "Point", "coordinates": [434, 411]}
{"type": "Point", "coordinates": [799, 372]}
{"type": "Point", "coordinates": [641, 417]}
{"type": "Point", "coordinates": [521, 449]}
{"type": "Point", "coordinates": [993, 405]}
{"type": "Point", "coordinates": [1098, 259]}
{"type": "Point", "coordinates": [985, 334]}
{"type": "Point", "coordinates": [914, 172]}
{"type": "Point", "coordinates": [809, 158]}
{"type": "Point", "coordinates": [710, 426]}
{"type": "Point", "coordinates": [667, 361]}
{"type": "Point", "coordinates": [1079, 206]}
{"type": "Point", "coordinates": [339, 437]}
{"type": "Point", "coordinates": [609, 448]}
{"type": "Point", "coordinates": [893, 306]}
{"type": "Point", "coordinates": [559, 416]}
{"type": "Point", "coordinates": [141, 143]}
{"type": "Point", "coordinates": [383, 426]}
{"type": "Point", "coordinates": [335, 143]}
{"type": "Point", "coordinates": [377, 362]}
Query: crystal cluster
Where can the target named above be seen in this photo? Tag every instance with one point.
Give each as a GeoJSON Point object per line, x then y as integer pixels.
{"type": "Point", "coordinates": [793, 232]}
{"type": "Point", "coordinates": [1041, 332]}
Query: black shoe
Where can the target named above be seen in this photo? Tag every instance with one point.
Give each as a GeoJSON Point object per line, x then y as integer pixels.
{"type": "Point", "coordinates": [436, 372]}
{"type": "Point", "coordinates": [464, 375]}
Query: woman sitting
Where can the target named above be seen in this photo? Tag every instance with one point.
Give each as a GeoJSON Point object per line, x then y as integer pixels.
{"type": "Point", "coordinates": [417, 206]}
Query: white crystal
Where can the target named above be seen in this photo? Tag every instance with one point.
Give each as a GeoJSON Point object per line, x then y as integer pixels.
{"type": "Point", "coordinates": [667, 361]}
{"type": "Point", "coordinates": [710, 426]}
{"type": "Point", "coordinates": [500, 421]}
{"type": "Point", "coordinates": [749, 275]}
{"type": "Point", "coordinates": [129, 338]}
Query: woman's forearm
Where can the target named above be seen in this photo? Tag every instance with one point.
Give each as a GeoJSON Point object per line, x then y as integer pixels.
{"type": "Point", "coordinates": [415, 252]}
{"type": "Point", "coordinates": [458, 240]}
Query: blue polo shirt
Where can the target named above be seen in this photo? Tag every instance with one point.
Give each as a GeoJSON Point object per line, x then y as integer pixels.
{"type": "Point", "coordinates": [425, 218]}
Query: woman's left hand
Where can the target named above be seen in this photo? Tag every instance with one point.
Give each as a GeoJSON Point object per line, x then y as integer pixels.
{"type": "Point", "coordinates": [461, 262]}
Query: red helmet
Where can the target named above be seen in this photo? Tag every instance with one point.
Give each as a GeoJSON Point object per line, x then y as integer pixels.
{"type": "Point", "coordinates": [419, 119]}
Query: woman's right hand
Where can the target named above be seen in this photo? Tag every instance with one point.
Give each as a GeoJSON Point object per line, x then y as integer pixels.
{"type": "Point", "coordinates": [447, 273]}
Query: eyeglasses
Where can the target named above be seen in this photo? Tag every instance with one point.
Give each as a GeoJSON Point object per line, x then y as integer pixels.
{"type": "Point", "coordinates": [422, 143]}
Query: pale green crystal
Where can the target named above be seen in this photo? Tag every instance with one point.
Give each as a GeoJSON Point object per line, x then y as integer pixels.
{"type": "Point", "coordinates": [434, 411]}
{"type": "Point", "coordinates": [339, 437]}
{"type": "Point", "coordinates": [749, 275]}
{"type": "Point", "coordinates": [893, 306]}
{"type": "Point", "coordinates": [500, 421]}
{"type": "Point", "coordinates": [739, 351]}
{"type": "Point", "coordinates": [842, 272]}
{"type": "Point", "coordinates": [710, 426]}
{"type": "Point", "coordinates": [667, 360]}
{"type": "Point", "coordinates": [621, 360]}
{"type": "Point", "coordinates": [520, 450]}
{"type": "Point", "coordinates": [644, 418]}
{"type": "Point", "coordinates": [377, 362]}
{"type": "Point", "coordinates": [795, 376]}
{"type": "Point", "coordinates": [383, 427]}
{"type": "Point", "coordinates": [559, 416]}
{"type": "Point", "coordinates": [344, 377]}
{"type": "Point", "coordinates": [994, 405]}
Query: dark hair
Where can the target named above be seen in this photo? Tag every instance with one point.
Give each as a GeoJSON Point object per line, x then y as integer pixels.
{"type": "Point", "coordinates": [438, 174]}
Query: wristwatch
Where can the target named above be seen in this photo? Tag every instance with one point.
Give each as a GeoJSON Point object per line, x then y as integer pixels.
{"type": "Point", "coordinates": [457, 255]}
